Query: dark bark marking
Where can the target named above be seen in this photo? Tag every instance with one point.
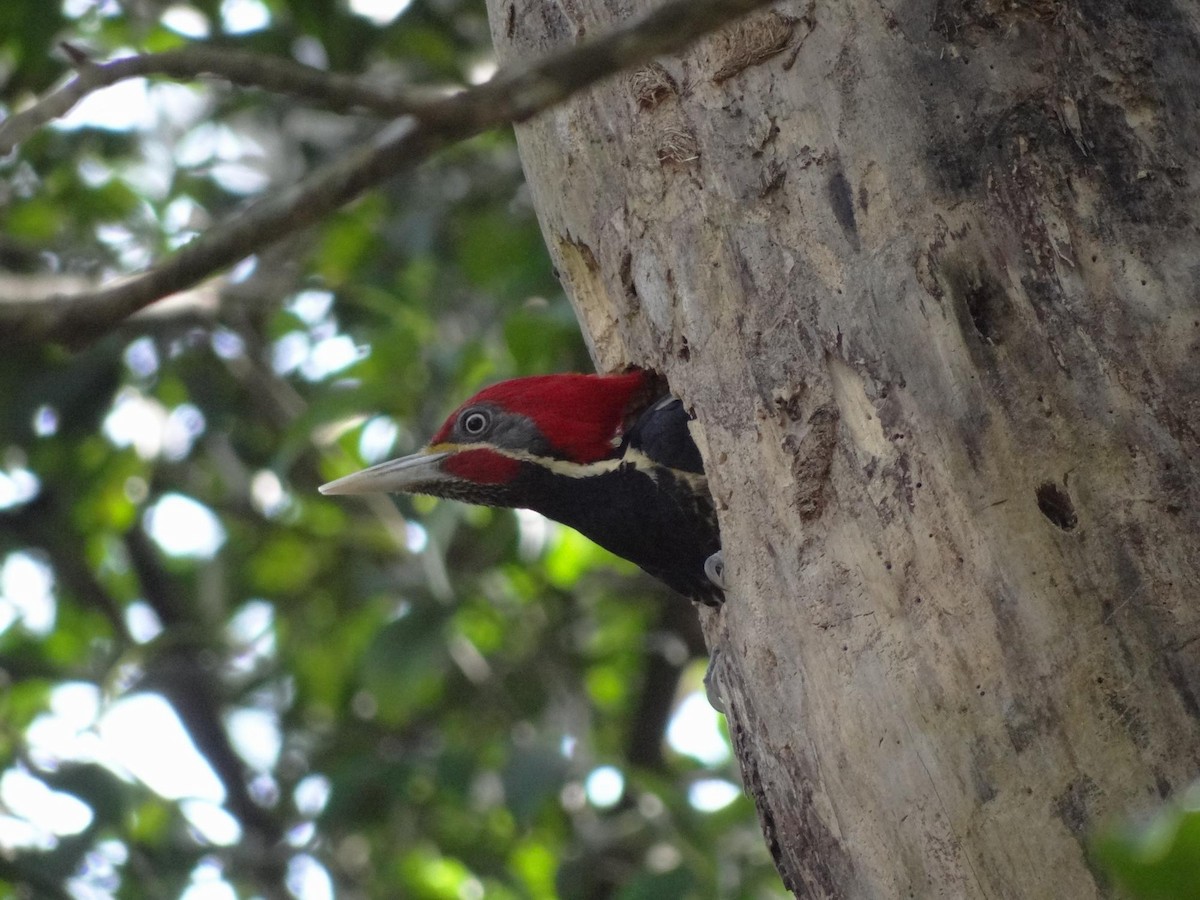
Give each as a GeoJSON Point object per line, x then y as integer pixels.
{"type": "Point", "coordinates": [970, 20]}
{"type": "Point", "coordinates": [1024, 725]}
{"type": "Point", "coordinates": [754, 787]}
{"type": "Point", "coordinates": [627, 284]}
{"type": "Point", "coordinates": [982, 298]}
{"type": "Point", "coordinates": [902, 475]}
{"type": "Point", "coordinates": [1055, 504]}
{"type": "Point", "coordinates": [973, 429]}
{"type": "Point", "coordinates": [769, 137]}
{"type": "Point", "coordinates": [585, 253]}
{"type": "Point", "coordinates": [1162, 785]}
{"type": "Point", "coordinates": [841, 199]}
{"type": "Point", "coordinates": [1183, 675]}
{"type": "Point", "coordinates": [1129, 718]}
{"type": "Point", "coordinates": [791, 404]}
{"type": "Point", "coordinates": [771, 180]}
{"type": "Point", "coordinates": [984, 789]}
{"type": "Point", "coordinates": [1154, 47]}
{"type": "Point", "coordinates": [684, 351]}
{"type": "Point", "coordinates": [1030, 714]}
{"type": "Point", "coordinates": [1074, 804]}
{"type": "Point", "coordinates": [1135, 180]}
{"type": "Point", "coordinates": [543, 25]}
{"type": "Point", "coordinates": [956, 161]}
{"type": "Point", "coordinates": [979, 299]}
{"type": "Point", "coordinates": [1153, 59]}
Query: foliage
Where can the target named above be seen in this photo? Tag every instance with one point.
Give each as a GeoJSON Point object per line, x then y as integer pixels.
{"type": "Point", "coordinates": [392, 700]}
{"type": "Point", "coordinates": [1159, 859]}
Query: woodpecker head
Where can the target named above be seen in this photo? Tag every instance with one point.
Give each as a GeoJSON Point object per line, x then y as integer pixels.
{"type": "Point", "coordinates": [479, 452]}
{"type": "Point", "coordinates": [607, 455]}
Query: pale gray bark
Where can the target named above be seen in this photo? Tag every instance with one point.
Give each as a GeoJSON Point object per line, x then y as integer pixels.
{"type": "Point", "coordinates": [928, 272]}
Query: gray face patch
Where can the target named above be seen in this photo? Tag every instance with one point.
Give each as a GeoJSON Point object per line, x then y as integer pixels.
{"type": "Point", "coordinates": [485, 423]}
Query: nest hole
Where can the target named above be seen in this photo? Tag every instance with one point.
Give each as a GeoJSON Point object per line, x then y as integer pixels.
{"type": "Point", "coordinates": [1055, 504]}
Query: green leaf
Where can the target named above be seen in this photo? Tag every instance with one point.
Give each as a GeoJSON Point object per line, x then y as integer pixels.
{"type": "Point", "coordinates": [284, 564]}
{"type": "Point", "coordinates": [36, 220]}
{"type": "Point", "coordinates": [406, 665]}
{"type": "Point", "coordinates": [1159, 860]}
{"type": "Point", "coordinates": [534, 775]}
{"type": "Point", "coordinates": [497, 256]}
{"type": "Point", "coordinates": [676, 883]}
{"type": "Point", "coordinates": [535, 864]}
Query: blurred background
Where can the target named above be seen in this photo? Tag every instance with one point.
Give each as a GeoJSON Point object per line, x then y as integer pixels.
{"type": "Point", "coordinates": [215, 682]}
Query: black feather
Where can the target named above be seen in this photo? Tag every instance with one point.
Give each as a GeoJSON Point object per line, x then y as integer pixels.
{"type": "Point", "coordinates": [659, 517]}
{"type": "Point", "coordinates": [661, 432]}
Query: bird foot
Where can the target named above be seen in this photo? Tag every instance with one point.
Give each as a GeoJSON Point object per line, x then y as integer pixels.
{"type": "Point", "coordinates": [714, 568]}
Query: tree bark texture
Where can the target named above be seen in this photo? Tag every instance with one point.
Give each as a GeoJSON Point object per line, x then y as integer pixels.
{"type": "Point", "coordinates": [928, 273]}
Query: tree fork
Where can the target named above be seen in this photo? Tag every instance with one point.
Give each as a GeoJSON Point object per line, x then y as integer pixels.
{"type": "Point", "coordinates": [926, 273]}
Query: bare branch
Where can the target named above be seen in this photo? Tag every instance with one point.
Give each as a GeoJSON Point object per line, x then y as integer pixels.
{"type": "Point", "coordinates": [343, 93]}
{"type": "Point", "coordinates": [78, 319]}
{"type": "Point", "coordinates": [180, 673]}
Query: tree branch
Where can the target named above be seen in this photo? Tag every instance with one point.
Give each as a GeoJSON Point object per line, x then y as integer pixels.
{"type": "Point", "coordinates": [78, 319]}
{"type": "Point", "coordinates": [45, 523]}
{"type": "Point", "coordinates": [343, 93]}
{"type": "Point", "coordinates": [181, 672]}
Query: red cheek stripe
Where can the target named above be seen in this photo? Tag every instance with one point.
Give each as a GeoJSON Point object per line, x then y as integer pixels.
{"type": "Point", "coordinates": [482, 467]}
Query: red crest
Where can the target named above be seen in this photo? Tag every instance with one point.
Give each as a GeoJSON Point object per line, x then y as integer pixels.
{"type": "Point", "coordinates": [581, 415]}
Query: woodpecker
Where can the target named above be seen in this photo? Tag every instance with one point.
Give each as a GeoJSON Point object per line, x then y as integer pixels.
{"type": "Point", "coordinates": [603, 454]}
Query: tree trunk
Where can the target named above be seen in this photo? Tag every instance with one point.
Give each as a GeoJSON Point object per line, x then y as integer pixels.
{"type": "Point", "coordinates": [927, 272]}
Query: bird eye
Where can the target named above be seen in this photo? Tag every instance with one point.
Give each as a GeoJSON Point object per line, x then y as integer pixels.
{"type": "Point", "coordinates": [475, 422]}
